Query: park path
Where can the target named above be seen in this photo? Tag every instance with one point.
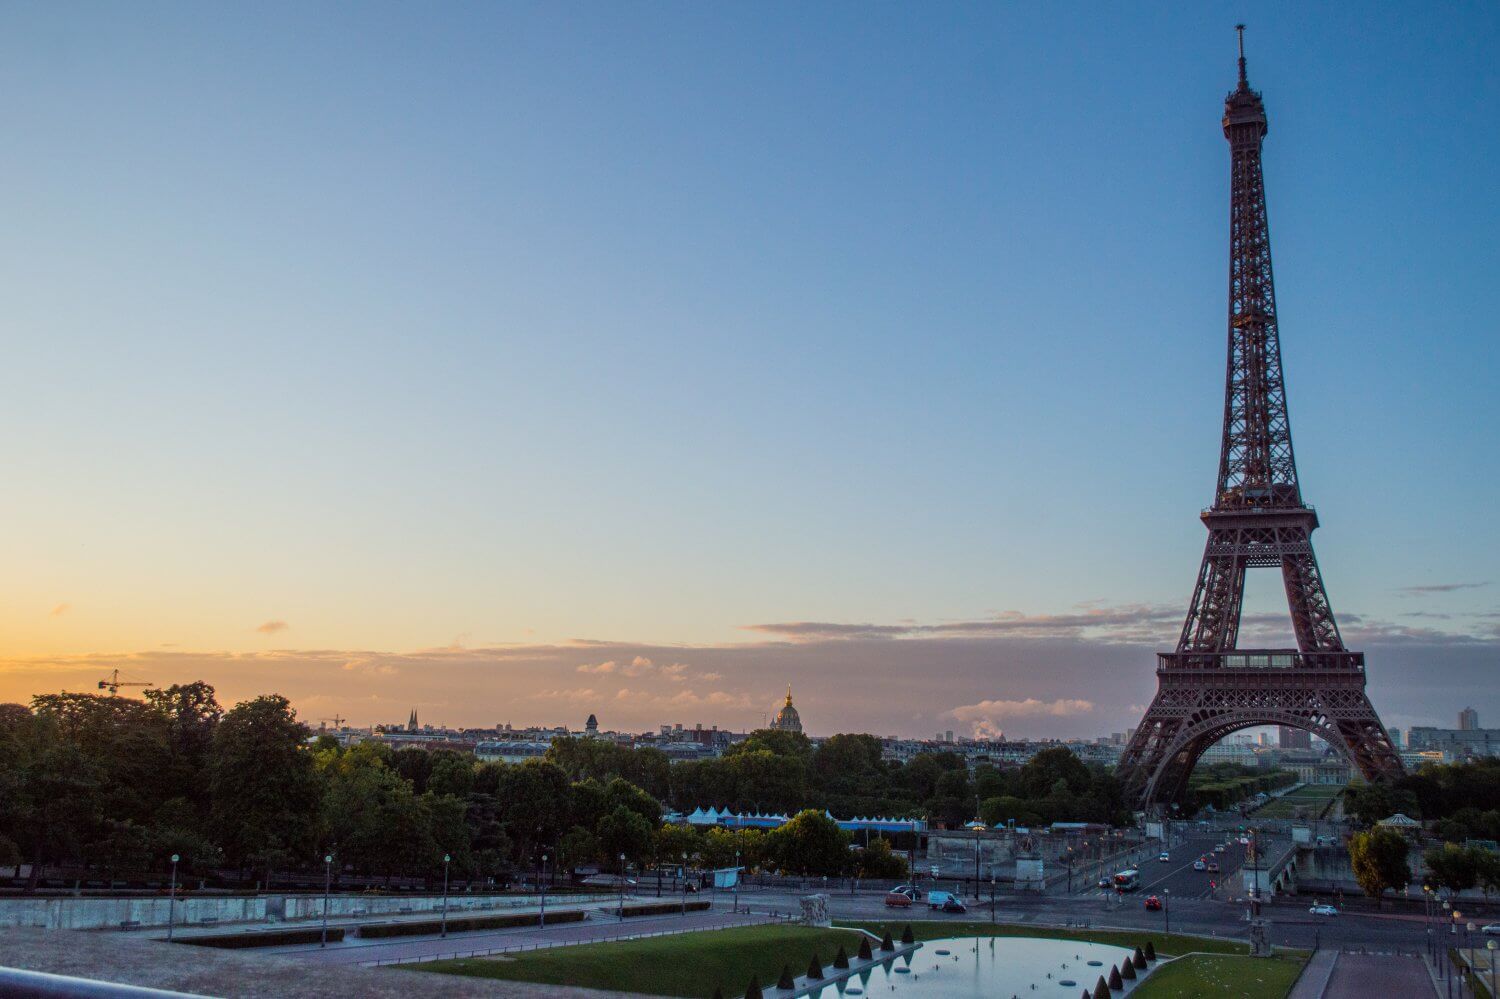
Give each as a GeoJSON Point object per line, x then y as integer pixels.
{"type": "Point", "coordinates": [1359, 976]}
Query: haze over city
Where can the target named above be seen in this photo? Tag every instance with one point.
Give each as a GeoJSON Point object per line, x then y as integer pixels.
{"type": "Point", "coordinates": [515, 367]}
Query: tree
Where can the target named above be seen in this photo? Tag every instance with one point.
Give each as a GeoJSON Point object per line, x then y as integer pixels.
{"type": "Point", "coordinates": [671, 841]}
{"type": "Point", "coordinates": [1379, 861]}
{"type": "Point", "coordinates": [810, 843]}
{"type": "Point", "coordinates": [264, 791]}
{"type": "Point", "coordinates": [578, 846]}
{"type": "Point", "coordinates": [1454, 867]}
{"type": "Point", "coordinates": [878, 860]}
{"type": "Point", "coordinates": [451, 773]}
{"type": "Point", "coordinates": [624, 831]}
{"type": "Point", "coordinates": [774, 741]}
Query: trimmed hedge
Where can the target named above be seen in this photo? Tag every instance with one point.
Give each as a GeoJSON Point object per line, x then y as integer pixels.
{"type": "Point", "coordinates": [272, 938]}
{"type": "Point", "coordinates": [663, 908]}
{"type": "Point", "coordinates": [462, 924]}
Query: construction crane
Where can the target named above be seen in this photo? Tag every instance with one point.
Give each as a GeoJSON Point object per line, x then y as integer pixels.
{"type": "Point", "coordinates": [113, 683]}
{"type": "Point", "coordinates": [337, 721]}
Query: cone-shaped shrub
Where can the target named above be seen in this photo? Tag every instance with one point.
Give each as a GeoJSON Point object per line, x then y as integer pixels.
{"type": "Point", "coordinates": [1127, 968]}
{"type": "Point", "coordinates": [1150, 951]}
{"type": "Point", "coordinates": [1087, 994]}
{"type": "Point", "coordinates": [814, 968]}
{"type": "Point", "coordinates": [1101, 991]}
{"type": "Point", "coordinates": [886, 943]}
{"type": "Point", "coordinates": [752, 991]}
{"type": "Point", "coordinates": [841, 959]}
{"type": "Point", "coordinates": [786, 981]}
{"type": "Point", "coordinates": [906, 935]}
{"type": "Point", "coordinates": [864, 948]}
{"type": "Point", "coordinates": [1139, 959]}
{"type": "Point", "coordinates": [1115, 981]}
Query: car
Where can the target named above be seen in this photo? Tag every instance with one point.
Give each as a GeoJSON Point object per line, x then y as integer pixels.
{"type": "Point", "coordinates": [953, 904]}
{"type": "Point", "coordinates": [898, 899]}
{"type": "Point", "coordinates": [1200, 864]}
{"type": "Point", "coordinates": [1219, 848]}
{"type": "Point", "coordinates": [1492, 930]}
{"type": "Point", "coordinates": [1105, 882]}
{"type": "Point", "coordinates": [1323, 910]}
{"type": "Point", "coordinates": [1165, 858]}
{"type": "Point", "coordinates": [1153, 903]}
{"type": "Point", "coordinates": [1213, 867]}
{"type": "Point", "coordinates": [1244, 841]}
{"type": "Point", "coordinates": [940, 900]}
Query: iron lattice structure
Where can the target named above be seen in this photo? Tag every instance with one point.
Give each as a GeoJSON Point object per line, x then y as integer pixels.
{"type": "Point", "coordinates": [1209, 687]}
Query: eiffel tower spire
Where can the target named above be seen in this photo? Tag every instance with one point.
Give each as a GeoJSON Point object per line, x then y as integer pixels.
{"type": "Point", "coordinates": [1209, 687]}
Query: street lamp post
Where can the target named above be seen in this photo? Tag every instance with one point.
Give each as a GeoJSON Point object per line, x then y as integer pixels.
{"type": "Point", "coordinates": [684, 884]}
{"type": "Point", "coordinates": [736, 882]}
{"type": "Point", "coordinates": [542, 886]}
{"type": "Point", "coordinates": [446, 858]}
{"type": "Point", "coordinates": [327, 885]}
{"type": "Point", "coordinates": [172, 898]}
{"type": "Point", "coordinates": [622, 887]}
{"type": "Point", "coordinates": [1166, 908]}
{"type": "Point", "coordinates": [992, 896]}
{"type": "Point", "coordinates": [1492, 947]}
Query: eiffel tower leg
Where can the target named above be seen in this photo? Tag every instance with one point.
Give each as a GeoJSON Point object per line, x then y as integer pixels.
{"type": "Point", "coordinates": [1312, 617]}
{"type": "Point", "coordinates": [1213, 621]}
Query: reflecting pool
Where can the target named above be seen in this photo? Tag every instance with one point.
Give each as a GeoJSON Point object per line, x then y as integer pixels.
{"type": "Point", "coordinates": [991, 968]}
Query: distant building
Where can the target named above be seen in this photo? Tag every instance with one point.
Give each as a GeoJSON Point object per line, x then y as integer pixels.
{"type": "Point", "coordinates": [591, 727]}
{"type": "Point", "coordinates": [787, 719]}
{"type": "Point", "coordinates": [1396, 737]}
{"type": "Point", "coordinates": [1293, 738]}
{"type": "Point", "coordinates": [1468, 720]}
{"type": "Point", "coordinates": [1455, 743]}
{"type": "Point", "coordinates": [411, 723]}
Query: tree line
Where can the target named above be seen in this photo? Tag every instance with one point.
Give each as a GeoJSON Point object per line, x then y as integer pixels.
{"type": "Point", "coordinates": [114, 785]}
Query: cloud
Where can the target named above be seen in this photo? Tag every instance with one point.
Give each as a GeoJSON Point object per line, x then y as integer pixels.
{"type": "Point", "coordinates": [1127, 621]}
{"type": "Point", "coordinates": [639, 666]}
{"type": "Point", "coordinates": [1417, 591]}
{"type": "Point", "coordinates": [59, 610]}
{"type": "Point", "coordinates": [906, 685]}
{"type": "Point", "coordinates": [272, 627]}
{"type": "Point", "coordinates": [986, 717]}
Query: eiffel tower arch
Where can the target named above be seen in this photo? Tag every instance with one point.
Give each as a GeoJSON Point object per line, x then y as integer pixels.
{"type": "Point", "coordinates": [1209, 687]}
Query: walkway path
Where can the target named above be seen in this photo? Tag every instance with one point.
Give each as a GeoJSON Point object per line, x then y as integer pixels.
{"type": "Point", "coordinates": [1359, 976]}
{"type": "Point", "coordinates": [1314, 980]}
{"type": "Point", "coordinates": [206, 971]}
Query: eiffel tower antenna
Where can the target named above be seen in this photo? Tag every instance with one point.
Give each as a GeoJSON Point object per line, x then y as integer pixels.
{"type": "Point", "coordinates": [1209, 687]}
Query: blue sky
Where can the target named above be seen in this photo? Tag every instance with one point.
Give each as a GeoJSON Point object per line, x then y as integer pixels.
{"type": "Point", "coordinates": [489, 326]}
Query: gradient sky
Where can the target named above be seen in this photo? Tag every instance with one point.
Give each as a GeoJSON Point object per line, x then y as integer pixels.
{"type": "Point", "coordinates": [393, 354]}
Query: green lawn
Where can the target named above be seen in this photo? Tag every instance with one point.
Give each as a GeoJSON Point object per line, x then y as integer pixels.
{"type": "Point", "coordinates": [1313, 800]}
{"type": "Point", "coordinates": [686, 964]}
{"type": "Point", "coordinates": [1165, 943]}
{"type": "Point", "coordinates": [1204, 976]}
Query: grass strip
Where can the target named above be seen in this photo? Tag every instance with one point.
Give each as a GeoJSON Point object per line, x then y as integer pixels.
{"type": "Point", "coordinates": [462, 924]}
{"type": "Point", "coordinates": [684, 964]}
{"type": "Point", "coordinates": [1199, 975]}
{"type": "Point", "coordinates": [272, 938]}
{"type": "Point", "coordinates": [1165, 943]}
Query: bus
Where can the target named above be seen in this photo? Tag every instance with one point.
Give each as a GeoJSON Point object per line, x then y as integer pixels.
{"type": "Point", "coordinates": [1128, 880]}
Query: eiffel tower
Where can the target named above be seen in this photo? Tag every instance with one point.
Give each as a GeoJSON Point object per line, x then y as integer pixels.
{"type": "Point", "coordinates": [1209, 687]}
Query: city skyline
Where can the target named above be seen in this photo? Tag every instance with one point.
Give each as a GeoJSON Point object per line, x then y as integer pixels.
{"type": "Point", "coordinates": [443, 415]}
